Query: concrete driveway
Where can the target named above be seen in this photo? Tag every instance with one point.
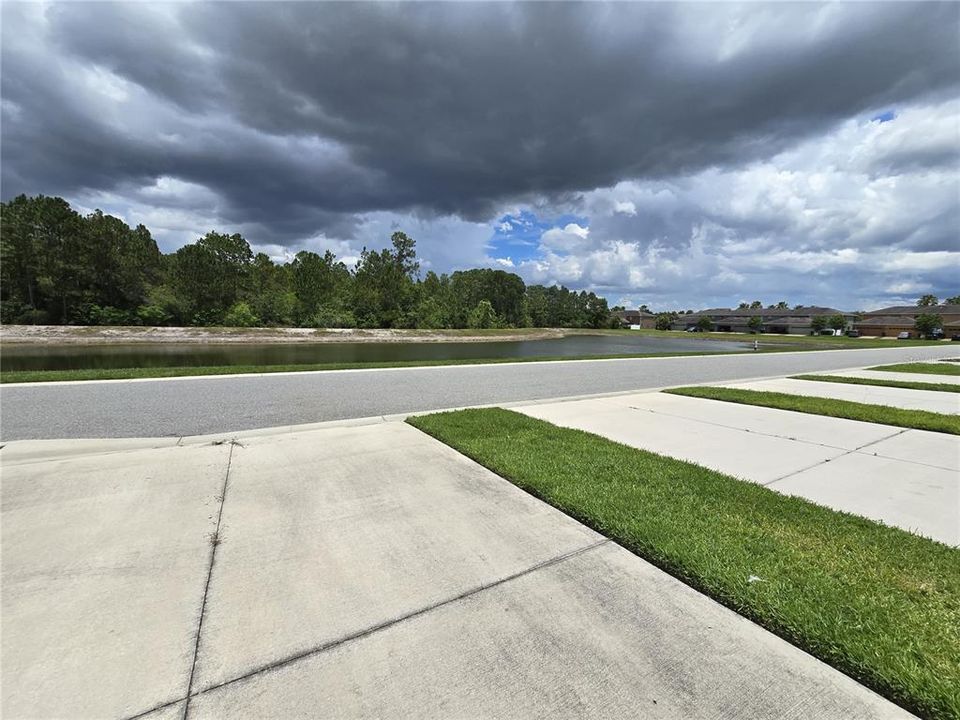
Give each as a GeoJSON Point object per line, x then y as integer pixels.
{"type": "Point", "coordinates": [352, 571]}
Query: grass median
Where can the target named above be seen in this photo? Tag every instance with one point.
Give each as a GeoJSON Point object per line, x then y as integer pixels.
{"type": "Point", "coordinates": [922, 368]}
{"type": "Point", "coordinates": [882, 414]}
{"type": "Point", "coordinates": [34, 376]}
{"type": "Point", "coordinates": [904, 384]}
{"type": "Point", "coordinates": [876, 602]}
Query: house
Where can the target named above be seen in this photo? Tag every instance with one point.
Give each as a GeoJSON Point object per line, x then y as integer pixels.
{"type": "Point", "coordinates": [636, 319]}
{"type": "Point", "coordinates": [891, 321]}
{"type": "Point", "coordinates": [798, 321]}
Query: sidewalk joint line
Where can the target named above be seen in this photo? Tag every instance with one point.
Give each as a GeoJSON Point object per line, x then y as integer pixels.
{"type": "Point", "coordinates": [214, 542]}
{"type": "Point", "coordinates": [888, 437]}
{"type": "Point", "coordinates": [740, 429]}
{"type": "Point", "coordinates": [332, 644]}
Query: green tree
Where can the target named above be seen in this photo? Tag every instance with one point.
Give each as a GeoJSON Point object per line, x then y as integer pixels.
{"type": "Point", "coordinates": [537, 306]}
{"type": "Point", "coordinates": [955, 300]}
{"type": "Point", "coordinates": [121, 263]}
{"type": "Point", "coordinates": [44, 265]}
{"type": "Point", "coordinates": [756, 305]}
{"type": "Point", "coordinates": [504, 291]}
{"type": "Point", "coordinates": [755, 324]}
{"type": "Point", "coordinates": [927, 324]}
{"type": "Point", "coordinates": [596, 311]}
{"type": "Point", "coordinates": [269, 291]}
{"type": "Point", "coordinates": [837, 322]}
{"type": "Point", "coordinates": [783, 305]}
{"type": "Point", "coordinates": [928, 301]}
{"type": "Point", "coordinates": [429, 314]}
{"type": "Point", "coordinates": [705, 324]}
{"type": "Point", "coordinates": [209, 275]}
{"type": "Point", "coordinates": [484, 316]}
{"type": "Point", "coordinates": [240, 315]}
{"type": "Point", "coordinates": [384, 293]}
{"type": "Point", "coordinates": [818, 323]}
{"type": "Point", "coordinates": [318, 281]}
{"type": "Point", "coordinates": [665, 320]}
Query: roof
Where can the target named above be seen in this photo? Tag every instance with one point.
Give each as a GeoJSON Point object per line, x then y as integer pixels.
{"type": "Point", "coordinates": [789, 321]}
{"type": "Point", "coordinates": [917, 310]}
{"type": "Point", "coordinates": [886, 320]}
{"type": "Point", "coordinates": [768, 314]}
{"type": "Point", "coordinates": [641, 313]}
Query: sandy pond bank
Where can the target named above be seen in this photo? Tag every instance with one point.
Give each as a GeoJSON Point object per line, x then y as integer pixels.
{"type": "Point", "coordinates": [99, 335]}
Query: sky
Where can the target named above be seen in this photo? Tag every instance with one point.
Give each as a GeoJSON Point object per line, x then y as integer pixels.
{"type": "Point", "coordinates": [675, 155]}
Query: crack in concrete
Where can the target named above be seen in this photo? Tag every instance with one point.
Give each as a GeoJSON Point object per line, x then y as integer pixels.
{"type": "Point", "coordinates": [828, 460]}
{"type": "Point", "coordinates": [214, 543]}
{"type": "Point", "coordinates": [154, 709]}
{"type": "Point", "coordinates": [366, 632]}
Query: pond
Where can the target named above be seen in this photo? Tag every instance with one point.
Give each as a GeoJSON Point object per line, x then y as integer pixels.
{"type": "Point", "coordinates": [78, 357]}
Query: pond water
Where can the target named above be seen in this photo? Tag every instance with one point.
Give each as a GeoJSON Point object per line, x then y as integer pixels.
{"type": "Point", "coordinates": [76, 357]}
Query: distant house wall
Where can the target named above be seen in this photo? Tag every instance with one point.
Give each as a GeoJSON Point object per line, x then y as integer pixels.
{"type": "Point", "coordinates": [775, 320]}
{"type": "Point", "coordinates": [891, 321]}
{"type": "Point", "coordinates": [637, 319]}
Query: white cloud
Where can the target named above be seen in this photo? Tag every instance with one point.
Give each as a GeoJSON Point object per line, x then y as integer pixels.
{"type": "Point", "coordinates": [862, 216]}
{"type": "Point", "coordinates": [570, 238]}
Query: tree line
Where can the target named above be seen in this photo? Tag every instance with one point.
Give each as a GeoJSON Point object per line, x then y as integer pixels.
{"type": "Point", "coordinates": [60, 267]}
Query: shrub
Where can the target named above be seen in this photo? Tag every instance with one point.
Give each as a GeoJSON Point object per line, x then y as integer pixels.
{"type": "Point", "coordinates": [484, 316]}
{"type": "Point", "coordinates": [153, 315]}
{"type": "Point", "coordinates": [330, 317]}
{"type": "Point", "coordinates": [93, 314]}
{"type": "Point", "coordinates": [33, 316]}
{"type": "Point", "coordinates": [240, 315]}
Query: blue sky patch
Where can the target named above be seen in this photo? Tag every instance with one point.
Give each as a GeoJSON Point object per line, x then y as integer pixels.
{"type": "Point", "coordinates": [885, 116]}
{"type": "Point", "coordinates": [517, 236]}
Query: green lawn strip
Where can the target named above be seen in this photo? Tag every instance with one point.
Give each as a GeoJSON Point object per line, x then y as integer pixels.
{"type": "Point", "coordinates": [876, 602]}
{"type": "Point", "coordinates": [30, 376]}
{"type": "Point", "coordinates": [905, 384]}
{"type": "Point", "coordinates": [882, 414]}
{"type": "Point", "coordinates": [922, 368]}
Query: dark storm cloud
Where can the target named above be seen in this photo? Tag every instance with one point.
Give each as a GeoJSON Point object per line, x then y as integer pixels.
{"type": "Point", "coordinates": [299, 115]}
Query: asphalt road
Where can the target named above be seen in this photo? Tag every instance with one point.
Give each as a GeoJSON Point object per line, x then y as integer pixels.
{"type": "Point", "coordinates": [156, 408]}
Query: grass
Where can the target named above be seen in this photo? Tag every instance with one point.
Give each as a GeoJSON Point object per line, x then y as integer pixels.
{"type": "Point", "coordinates": [883, 414]}
{"type": "Point", "coordinates": [876, 602]}
{"type": "Point", "coordinates": [922, 368]}
{"type": "Point", "coordinates": [905, 384]}
{"type": "Point", "coordinates": [32, 376]}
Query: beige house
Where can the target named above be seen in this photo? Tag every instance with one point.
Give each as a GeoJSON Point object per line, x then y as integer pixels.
{"type": "Point", "coordinates": [891, 321]}
{"type": "Point", "coordinates": [636, 319]}
{"type": "Point", "coordinates": [798, 321]}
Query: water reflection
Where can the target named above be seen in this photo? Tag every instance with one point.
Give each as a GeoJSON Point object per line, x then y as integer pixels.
{"type": "Point", "coordinates": [191, 355]}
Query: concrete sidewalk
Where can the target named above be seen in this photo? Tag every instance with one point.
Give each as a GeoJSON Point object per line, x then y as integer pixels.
{"type": "Point", "coordinates": [897, 376]}
{"type": "Point", "coordinates": [363, 571]}
{"type": "Point", "coordinates": [871, 394]}
{"type": "Point", "coordinates": [906, 478]}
